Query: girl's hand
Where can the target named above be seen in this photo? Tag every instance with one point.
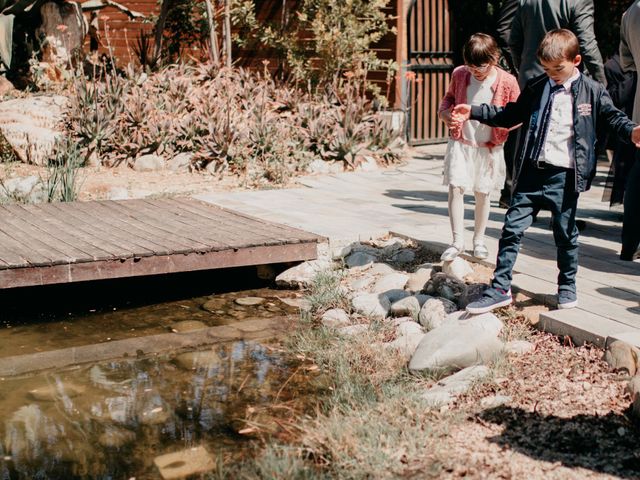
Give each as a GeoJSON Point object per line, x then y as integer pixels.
{"type": "Point", "coordinates": [445, 116]}
{"type": "Point", "coordinates": [635, 136]}
{"type": "Point", "coordinates": [461, 113]}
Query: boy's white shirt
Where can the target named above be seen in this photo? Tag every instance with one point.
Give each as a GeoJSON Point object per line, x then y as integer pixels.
{"type": "Point", "coordinates": [558, 146]}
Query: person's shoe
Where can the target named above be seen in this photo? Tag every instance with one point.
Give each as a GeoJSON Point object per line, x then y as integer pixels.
{"type": "Point", "coordinates": [490, 300]}
{"type": "Point", "coordinates": [480, 251]}
{"type": "Point", "coordinates": [450, 253]}
{"type": "Point", "coordinates": [629, 257]}
{"type": "Point", "coordinates": [567, 299]}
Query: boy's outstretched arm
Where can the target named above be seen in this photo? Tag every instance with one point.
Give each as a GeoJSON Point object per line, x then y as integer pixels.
{"type": "Point", "coordinates": [512, 114]}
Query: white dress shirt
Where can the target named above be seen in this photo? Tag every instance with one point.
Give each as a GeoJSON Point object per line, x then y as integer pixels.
{"type": "Point", "coordinates": [558, 146]}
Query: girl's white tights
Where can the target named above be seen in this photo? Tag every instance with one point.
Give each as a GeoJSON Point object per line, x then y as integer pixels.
{"type": "Point", "coordinates": [456, 216]}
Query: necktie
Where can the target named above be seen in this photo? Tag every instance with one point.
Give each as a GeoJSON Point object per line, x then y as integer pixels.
{"type": "Point", "coordinates": [544, 116]}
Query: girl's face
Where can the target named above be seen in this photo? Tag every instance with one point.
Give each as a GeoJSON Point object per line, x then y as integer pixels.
{"type": "Point", "coordinates": [480, 72]}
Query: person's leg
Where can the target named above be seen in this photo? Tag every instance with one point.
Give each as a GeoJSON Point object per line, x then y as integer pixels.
{"type": "Point", "coordinates": [481, 218]}
{"type": "Point", "coordinates": [524, 205]}
{"type": "Point", "coordinates": [456, 217]}
{"type": "Point", "coordinates": [563, 202]}
{"type": "Point", "coordinates": [630, 222]}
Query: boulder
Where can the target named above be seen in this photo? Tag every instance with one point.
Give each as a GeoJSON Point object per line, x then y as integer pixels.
{"type": "Point", "coordinates": [448, 389]}
{"type": "Point", "coordinates": [335, 318]}
{"type": "Point", "coordinates": [457, 344]}
{"type": "Point", "coordinates": [418, 279]}
{"type": "Point", "coordinates": [359, 259]}
{"type": "Point", "coordinates": [408, 306]}
{"type": "Point", "coordinates": [434, 311]}
{"type": "Point", "coordinates": [31, 126]}
{"type": "Point", "coordinates": [361, 284]}
{"type": "Point", "coordinates": [391, 281]}
{"type": "Point", "coordinates": [394, 295]}
{"type": "Point", "coordinates": [458, 268]}
{"type": "Point", "coordinates": [180, 163]}
{"type": "Point", "coordinates": [622, 357]}
{"type": "Point", "coordinates": [338, 252]}
{"type": "Point", "coordinates": [371, 305]}
{"type": "Point", "coordinates": [380, 268]}
{"type": "Point", "coordinates": [403, 256]}
{"type": "Point", "coordinates": [148, 163]}
{"type": "Point", "coordinates": [406, 344]}
{"type": "Point", "coordinates": [302, 276]}
{"type": "Point", "coordinates": [353, 330]}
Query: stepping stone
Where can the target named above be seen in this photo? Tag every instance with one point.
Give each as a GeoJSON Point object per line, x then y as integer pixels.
{"type": "Point", "coordinates": [192, 461]}
{"type": "Point", "coordinates": [249, 301]}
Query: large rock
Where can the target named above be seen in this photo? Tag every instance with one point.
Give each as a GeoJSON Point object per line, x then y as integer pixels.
{"type": "Point", "coordinates": [418, 279]}
{"type": "Point", "coordinates": [459, 343]}
{"type": "Point", "coordinates": [185, 463]}
{"type": "Point", "coordinates": [519, 347]}
{"type": "Point", "coordinates": [458, 268]}
{"type": "Point", "coordinates": [371, 305]}
{"type": "Point", "coordinates": [148, 163]}
{"type": "Point", "coordinates": [409, 336]}
{"type": "Point", "coordinates": [409, 306]}
{"type": "Point", "coordinates": [622, 357]}
{"type": "Point", "coordinates": [335, 318]}
{"type": "Point", "coordinates": [633, 389]}
{"type": "Point", "coordinates": [434, 311]}
{"type": "Point", "coordinates": [403, 256]}
{"type": "Point", "coordinates": [448, 389]}
{"type": "Point", "coordinates": [360, 259]}
{"type": "Point", "coordinates": [381, 269]}
{"type": "Point", "coordinates": [32, 125]}
{"type": "Point", "coordinates": [302, 276]}
{"type": "Point", "coordinates": [21, 188]}
{"type": "Point", "coordinates": [180, 163]}
{"type": "Point", "coordinates": [392, 281]}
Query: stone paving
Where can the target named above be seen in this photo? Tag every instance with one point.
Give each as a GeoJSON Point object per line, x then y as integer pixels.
{"type": "Point", "coordinates": [410, 200]}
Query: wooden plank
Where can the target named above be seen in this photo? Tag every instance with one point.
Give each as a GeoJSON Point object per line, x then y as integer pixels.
{"type": "Point", "coordinates": [155, 265]}
{"type": "Point", "coordinates": [27, 233]}
{"type": "Point", "coordinates": [163, 235]}
{"type": "Point", "coordinates": [145, 215]}
{"type": "Point", "coordinates": [40, 218]}
{"type": "Point", "coordinates": [87, 232]}
{"type": "Point", "coordinates": [112, 236]}
{"type": "Point", "coordinates": [210, 228]}
{"type": "Point", "coordinates": [107, 218]}
{"type": "Point", "coordinates": [238, 222]}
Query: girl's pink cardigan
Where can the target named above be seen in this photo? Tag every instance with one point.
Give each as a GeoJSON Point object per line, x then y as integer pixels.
{"type": "Point", "coordinates": [505, 89]}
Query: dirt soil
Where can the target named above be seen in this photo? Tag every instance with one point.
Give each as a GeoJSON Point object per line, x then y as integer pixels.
{"type": "Point", "coordinates": [568, 417]}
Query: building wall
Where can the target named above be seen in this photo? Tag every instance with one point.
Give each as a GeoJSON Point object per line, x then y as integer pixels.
{"type": "Point", "coordinates": [121, 33]}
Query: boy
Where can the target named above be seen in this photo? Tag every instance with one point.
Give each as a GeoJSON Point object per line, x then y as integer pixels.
{"type": "Point", "coordinates": [556, 159]}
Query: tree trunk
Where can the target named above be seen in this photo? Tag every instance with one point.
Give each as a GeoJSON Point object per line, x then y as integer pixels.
{"type": "Point", "coordinates": [227, 31]}
{"type": "Point", "coordinates": [213, 36]}
{"type": "Point", "coordinates": [159, 28]}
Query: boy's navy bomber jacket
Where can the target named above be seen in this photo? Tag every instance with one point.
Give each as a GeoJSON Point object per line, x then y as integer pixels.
{"type": "Point", "coordinates": [592, 109]}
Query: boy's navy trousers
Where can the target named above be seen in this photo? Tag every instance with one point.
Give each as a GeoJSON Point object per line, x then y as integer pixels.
{"type": "Point", "coordinates": [553, 188]}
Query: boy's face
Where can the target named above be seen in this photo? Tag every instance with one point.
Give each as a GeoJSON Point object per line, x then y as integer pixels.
{"type": "Point", "coordinates": [561, 70]}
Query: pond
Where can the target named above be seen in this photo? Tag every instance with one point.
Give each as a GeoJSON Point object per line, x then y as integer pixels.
{"type": "Point", "coordinates": [116, 419]}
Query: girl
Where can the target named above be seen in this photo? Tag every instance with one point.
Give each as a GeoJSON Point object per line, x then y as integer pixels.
{"type": "Point", "coordinates": [474, 159]}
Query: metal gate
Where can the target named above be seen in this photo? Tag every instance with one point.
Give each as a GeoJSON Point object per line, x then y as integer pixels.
{"type": "Point", "coordinates": [430, 65]}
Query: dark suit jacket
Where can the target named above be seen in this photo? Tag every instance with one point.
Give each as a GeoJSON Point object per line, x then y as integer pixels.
{"type": "Point", "coordinates": [534, 18]}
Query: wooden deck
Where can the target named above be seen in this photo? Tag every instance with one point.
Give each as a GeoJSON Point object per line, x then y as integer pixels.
{"type": "Point", "coordinates": [80, 241]}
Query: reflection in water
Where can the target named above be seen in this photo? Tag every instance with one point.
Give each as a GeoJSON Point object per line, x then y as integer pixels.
{"type": "Point", "coordinates": [111, 420]}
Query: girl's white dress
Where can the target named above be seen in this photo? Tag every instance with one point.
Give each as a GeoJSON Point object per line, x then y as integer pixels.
{"type": "Point", "coordinates": [472, 168]}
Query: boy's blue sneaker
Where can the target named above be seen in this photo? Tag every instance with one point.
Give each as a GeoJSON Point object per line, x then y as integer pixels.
{"type": "Point", "coordinates": [567, 299]}
{"type": "Point", "coordinates": [490, 300]}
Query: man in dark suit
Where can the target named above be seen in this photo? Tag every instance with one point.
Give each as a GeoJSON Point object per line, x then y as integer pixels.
{"type": "Point", "coordinates": [534, 18]}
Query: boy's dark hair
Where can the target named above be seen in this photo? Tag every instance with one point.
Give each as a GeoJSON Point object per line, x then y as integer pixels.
{"type": "Point", "coordinates": [560, 44]}
{"type": "Point", "coordinates": [480, 49]}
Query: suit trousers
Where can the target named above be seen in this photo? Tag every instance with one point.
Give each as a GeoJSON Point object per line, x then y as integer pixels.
{"type": "Point", "coordinates": [553, 189]}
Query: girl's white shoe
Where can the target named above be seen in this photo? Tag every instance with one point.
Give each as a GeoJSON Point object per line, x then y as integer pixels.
{"type": "Point", "coordinates": [480, 251]}
{"type": "Point", "coordinates": [450, 253]}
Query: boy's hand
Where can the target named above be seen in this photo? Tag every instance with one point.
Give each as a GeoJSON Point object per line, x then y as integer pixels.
{"type": "Point", "coordinates": [635, 136]}
{"type": "Point", "coordinates": [445, 116]}
{"type": "Point", "coordinates": [461, 113]}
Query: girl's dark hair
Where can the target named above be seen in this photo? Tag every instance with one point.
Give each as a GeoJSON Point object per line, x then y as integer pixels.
{"type": "Point", "coordinates": [480, 49]}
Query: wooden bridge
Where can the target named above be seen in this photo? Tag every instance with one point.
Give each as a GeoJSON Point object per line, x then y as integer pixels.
{"type": "Point", "coordinates": [80, 241]}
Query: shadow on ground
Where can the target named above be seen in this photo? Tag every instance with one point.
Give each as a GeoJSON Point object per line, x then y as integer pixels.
{"type": "Point", "coordinates": [603, 444]}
